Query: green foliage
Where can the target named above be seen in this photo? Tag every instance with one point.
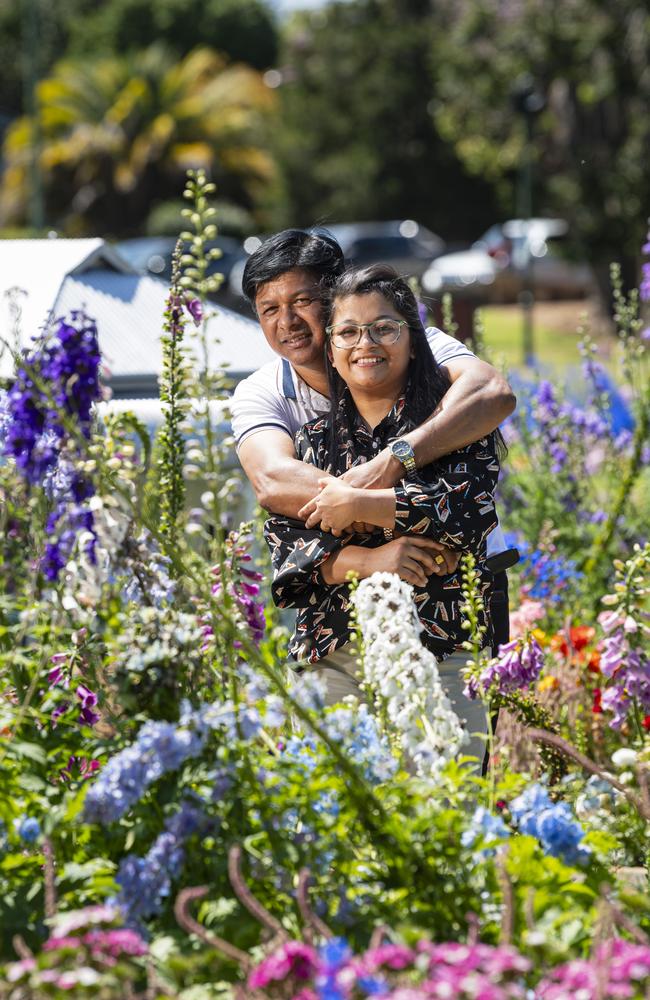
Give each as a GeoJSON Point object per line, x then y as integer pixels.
{"type": "Point", "coordinates": [117, 133]}
{"type": "Point", "coordinates": [355, 138]}
{"type": "Point", "coordinates": [243, 30]}
{"type": "Point", "coordinates": [589, 62]}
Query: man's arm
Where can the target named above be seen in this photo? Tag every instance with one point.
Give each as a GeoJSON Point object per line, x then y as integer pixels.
{"type": "Point", "coordinates": [477, 401]}
{"type": "Point", "coordinates": [282, 483]}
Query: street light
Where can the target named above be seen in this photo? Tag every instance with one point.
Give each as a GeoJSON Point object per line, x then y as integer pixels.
{"type": "Point", "coordinates": [527, 101]}
{"type": "Point", "coordinates": [31, 73]}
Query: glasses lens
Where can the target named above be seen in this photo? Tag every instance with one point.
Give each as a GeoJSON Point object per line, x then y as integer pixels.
{"type": "Point", "coordinates": [345, 335]}
{"type": "Point", "coordinates": [385, 331]}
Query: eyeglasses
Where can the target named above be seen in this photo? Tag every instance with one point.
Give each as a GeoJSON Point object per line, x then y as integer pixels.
{"type": "Point", "coordinates": [382, 332]}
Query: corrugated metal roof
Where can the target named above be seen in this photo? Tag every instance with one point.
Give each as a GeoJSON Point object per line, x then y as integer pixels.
{"type": "Point", "coordinates": [62, 275]}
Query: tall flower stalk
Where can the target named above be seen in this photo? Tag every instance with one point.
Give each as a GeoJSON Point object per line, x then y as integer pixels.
{"type": "Point", "coordinates": [173, 398]}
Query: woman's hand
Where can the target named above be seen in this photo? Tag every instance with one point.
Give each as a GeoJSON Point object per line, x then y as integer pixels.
{"type": "Point", "coordinates": [334, 508]}
{"type": "Point", "coordinates": [410, 556]}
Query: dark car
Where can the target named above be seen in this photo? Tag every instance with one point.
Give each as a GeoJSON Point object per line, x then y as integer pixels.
{"type": "Point", "coordinates": [153, 255]}
{"type": "Point", "coordinates": [405, 244]}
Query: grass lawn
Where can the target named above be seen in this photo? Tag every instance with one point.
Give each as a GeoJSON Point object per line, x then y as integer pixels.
{"type": "Point", "coordinates": [555, 334]}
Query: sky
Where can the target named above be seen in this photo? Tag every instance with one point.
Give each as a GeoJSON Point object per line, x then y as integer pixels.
{"type": "Point", "coordinates": [287, 6]}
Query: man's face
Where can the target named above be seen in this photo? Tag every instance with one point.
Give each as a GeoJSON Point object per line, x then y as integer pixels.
{"type": "Point", "coordinates": [291, 316]}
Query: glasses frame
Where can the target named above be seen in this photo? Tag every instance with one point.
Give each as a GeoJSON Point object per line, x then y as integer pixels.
{"type": "Point", "coordinates": [366, 326]}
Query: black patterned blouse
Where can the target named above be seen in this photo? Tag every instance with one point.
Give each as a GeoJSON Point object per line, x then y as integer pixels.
{"type": "Point", "coordinates": [451, 501]}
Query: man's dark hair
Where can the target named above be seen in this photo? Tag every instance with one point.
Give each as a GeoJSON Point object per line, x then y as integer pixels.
{"type": "Point", "coordinates": [313, 250]}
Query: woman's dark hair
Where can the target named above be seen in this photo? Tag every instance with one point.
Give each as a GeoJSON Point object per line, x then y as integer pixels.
{"type": "Point", "coordinates": [426, 381]}
{"type": "Point", "coordinates": [314, 250]}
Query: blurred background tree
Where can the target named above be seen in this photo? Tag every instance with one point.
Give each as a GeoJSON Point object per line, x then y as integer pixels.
{"type": "Point", "coordinates": [118, 133]}
{"type": "Point", "coordinates": [355, 138]}
{"type": "Point", "coordinates": [243, 30]}
{"type": "Point", "coordinates": [591, 63]}
{"type": "Point", "coordinates": [355, 110]}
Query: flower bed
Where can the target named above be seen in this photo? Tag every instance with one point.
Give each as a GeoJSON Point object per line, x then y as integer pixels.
{"type": "Point", "coordinates": [177, 821]}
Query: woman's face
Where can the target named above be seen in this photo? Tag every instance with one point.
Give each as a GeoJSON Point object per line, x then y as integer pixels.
{"type": "Point", "coordinates": [380, 368]}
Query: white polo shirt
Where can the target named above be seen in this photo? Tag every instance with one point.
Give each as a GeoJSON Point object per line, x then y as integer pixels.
{"type": "Point", "coordinates": [275, 396]}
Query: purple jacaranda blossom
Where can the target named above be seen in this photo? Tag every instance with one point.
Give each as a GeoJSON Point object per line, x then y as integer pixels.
{"type": "Point", "coordinates": [517, 666]}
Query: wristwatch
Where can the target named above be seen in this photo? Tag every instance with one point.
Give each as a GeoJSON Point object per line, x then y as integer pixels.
{"type": "Point", "coordinates": [403, 452]}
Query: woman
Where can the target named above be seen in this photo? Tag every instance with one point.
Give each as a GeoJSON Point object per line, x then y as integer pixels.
{"type": "Point", "coordinates": [383, 382]}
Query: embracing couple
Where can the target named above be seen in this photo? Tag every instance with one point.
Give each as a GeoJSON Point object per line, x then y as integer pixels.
{"type": "Point", "coordinates": [373, 443]}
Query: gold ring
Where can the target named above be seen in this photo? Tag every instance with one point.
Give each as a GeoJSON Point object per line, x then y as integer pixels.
{"type": "Point", "coordinates": [439, 559]}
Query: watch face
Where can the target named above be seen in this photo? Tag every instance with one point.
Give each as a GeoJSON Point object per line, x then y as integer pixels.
{"type": "Point", "coordinates": [401, 449]}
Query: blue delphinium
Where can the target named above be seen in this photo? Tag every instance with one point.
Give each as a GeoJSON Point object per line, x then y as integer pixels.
{"type": "Point", "coordinates": [552, 823]}
{"type": "Point", "coordinates": [146, 882]}
{"type": "Point", "coordinates": [334, 954]}
{"type": "Point", "coordinates": [485, 828]}
{"type": "Point", "coordinates": [160, 747]}
{"type": "Point", "coordinates": [28, 829]}
{"type": "Point", "coordinates": [356, 730]}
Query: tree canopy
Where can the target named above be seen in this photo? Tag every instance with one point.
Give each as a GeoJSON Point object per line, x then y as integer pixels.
{"type": "Point", "coordinates": [117, 135]}
{"type": "Point", "coordinates": [355, 138]}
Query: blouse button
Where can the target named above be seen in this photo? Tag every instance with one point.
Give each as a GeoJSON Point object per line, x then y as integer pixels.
{"type": "Point", "coordinates": [375, 445]}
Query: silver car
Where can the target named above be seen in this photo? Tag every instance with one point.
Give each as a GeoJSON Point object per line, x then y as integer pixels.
{"type": "Point", "coordinates": [509, 257]}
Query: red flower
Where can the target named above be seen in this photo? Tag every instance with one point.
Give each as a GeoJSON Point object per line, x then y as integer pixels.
{"type": "Point", "coordinates": [581, 636]}
{"type": "Point", "coordinates": [646, 723]}
{"type": "Point", "coordinates": [597, 706]}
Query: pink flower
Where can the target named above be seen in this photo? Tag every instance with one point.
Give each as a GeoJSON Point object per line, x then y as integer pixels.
{"type": "Point", "coordinates": [392, 956]}
{"type": "Point", "coordinates": [525, 617]}
{"type": "Point", "coordinates": [292, 959]}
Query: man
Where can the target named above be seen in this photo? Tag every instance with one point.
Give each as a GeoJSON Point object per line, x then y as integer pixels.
{"type": "Point", "coordinates": [283, 280]}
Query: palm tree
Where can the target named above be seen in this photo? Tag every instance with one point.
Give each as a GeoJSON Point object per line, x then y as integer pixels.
{"type": "Point", "coordinates": [116, 136]}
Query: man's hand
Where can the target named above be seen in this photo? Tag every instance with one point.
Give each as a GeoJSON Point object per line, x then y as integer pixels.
{"type": "Point", "coordinates": [412, 557]}
{"type": "Point", "coordinates": [381, 473]}
{"type": "Point", "coordinates": [334, 508]}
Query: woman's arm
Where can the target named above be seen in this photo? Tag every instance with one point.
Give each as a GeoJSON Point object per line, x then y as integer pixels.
{"type": "Point", "coordinates": [456, 509]}
{"type": "Point", "coordinates": [410, 557]}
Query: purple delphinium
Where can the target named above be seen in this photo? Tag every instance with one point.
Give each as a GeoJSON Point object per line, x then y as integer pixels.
{"type": "Point", "coordinates": [517, 666]}
{"type": "Point", "coordinates": [57, 383]}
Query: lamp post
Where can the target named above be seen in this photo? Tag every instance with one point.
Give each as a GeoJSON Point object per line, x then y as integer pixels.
{"type": "Point", "coordinates": [31, 48]}
{"type": "Point", "coordinates": [527, 101]}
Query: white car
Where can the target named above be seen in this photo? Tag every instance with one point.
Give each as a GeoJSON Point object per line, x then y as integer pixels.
{"type": "Point", "coordinates": [506, 259]}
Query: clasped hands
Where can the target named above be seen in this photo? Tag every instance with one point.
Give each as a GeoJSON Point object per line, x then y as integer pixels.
{"type": "Point", "coordinates": [337, 508]}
